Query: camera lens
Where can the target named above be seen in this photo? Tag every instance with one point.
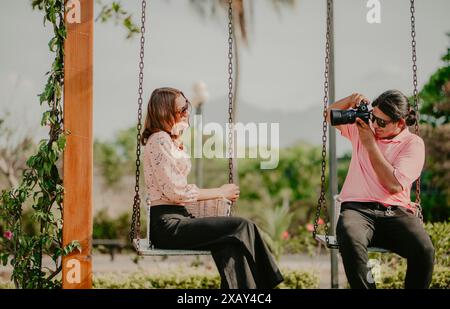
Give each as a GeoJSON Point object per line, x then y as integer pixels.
{"type": "Point", "coordinates": [339, 117]}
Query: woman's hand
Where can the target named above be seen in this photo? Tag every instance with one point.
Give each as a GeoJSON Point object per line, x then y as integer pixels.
{"type": "Point", "coordinates": [230, 192]}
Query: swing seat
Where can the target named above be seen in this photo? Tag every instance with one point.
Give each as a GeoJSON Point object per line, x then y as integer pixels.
{"type": "Point", "coordinates": [334, 244]}
{"type": "Point", "coordinates": [144, 248]}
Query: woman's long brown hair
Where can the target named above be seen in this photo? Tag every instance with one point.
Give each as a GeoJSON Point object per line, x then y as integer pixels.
{"type": "Point", "coordinates": [161, 111]}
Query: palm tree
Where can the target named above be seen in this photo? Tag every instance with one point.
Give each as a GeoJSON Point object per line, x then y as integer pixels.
{"type": "Point", "coordinates": [241, 9]}
{"type": "Point", "coordinates": [240, 13]}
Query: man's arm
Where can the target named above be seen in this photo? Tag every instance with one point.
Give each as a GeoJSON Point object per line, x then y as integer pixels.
{"type": "Point", "coordinates": [343, 104]}
{"type": "Point", "coordinates": [383, 169]}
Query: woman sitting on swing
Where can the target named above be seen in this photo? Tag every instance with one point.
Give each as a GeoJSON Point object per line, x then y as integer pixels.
{"type": "Point", "coordinates": [241, 256]}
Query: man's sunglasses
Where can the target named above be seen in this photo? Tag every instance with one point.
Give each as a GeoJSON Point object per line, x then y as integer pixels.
{"type": "Point", "coordinates": [380, 122]}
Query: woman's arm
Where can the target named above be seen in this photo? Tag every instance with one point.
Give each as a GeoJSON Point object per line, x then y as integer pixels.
{"type": "Point", "coordinates": [164, 170]}
{"type": "Point", "coordinates": [173, 183]}
{"type": "Point", "coordinates": [209, 194]}
{"type": "Point", "coordinates": [228, 191]}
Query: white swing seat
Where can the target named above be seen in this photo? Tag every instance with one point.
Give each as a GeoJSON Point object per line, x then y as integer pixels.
{"type": "Point", "coordinates": [144, 249]}
{"type": "Point", "coordinates": [333, 244]}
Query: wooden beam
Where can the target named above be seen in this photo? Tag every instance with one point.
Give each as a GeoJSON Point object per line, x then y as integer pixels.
{"type": "Point", "coordinates": [78, 155]}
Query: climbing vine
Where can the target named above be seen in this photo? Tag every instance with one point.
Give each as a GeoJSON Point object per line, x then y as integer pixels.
{"type": "Point", "coordinates": [36, 257]}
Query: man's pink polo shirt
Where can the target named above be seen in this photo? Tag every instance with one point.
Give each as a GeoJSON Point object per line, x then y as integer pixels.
{"type": "Point", "coordinates": [405, 152]}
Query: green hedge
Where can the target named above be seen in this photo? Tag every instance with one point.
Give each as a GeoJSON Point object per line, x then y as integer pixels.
{"type": "Point", "coordinates": [395, 278]}
{"type": "Point", "coordinates": [299, 280]}
{"type": "Point", "coordinates": [145, 281]}
{"type": "Point", "coordinates": [393, 267]}
{"type": "Point", "coordinates": [293, 280]}
{"type": "Point", "coordinates": [302, 242]}
{"type": "Point", "coordinates": [6, 285]}
{"type": "Point", "coordinates": [391, 279]}
{"type": "Point", "coordinates": [440, 237]}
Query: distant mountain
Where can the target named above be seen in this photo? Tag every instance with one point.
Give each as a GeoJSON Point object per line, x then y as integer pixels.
{"type": "Point", "coordinates": [296, 125]}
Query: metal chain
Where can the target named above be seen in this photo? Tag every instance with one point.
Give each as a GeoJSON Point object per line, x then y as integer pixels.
{"type": "Point", "coordinates": [230, 92]}
{"type": "Point", "coordinates": [136, 218]}
{"type": "Point", "coordinates": [416, 93]}
{"type": "Point", "coordinates": [321, 200]}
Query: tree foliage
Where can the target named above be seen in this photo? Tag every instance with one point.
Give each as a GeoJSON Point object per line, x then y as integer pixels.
{"type": "Point", "coordinates": [435, 95]}
{"type": "Point", "coordinates": [118, 15]}
{"type": "Point", "coordinates": [116, 159]}
{"type": "Point", "coordinates": [435, 130]}
{"type": "Point", "coordinates": [14, 150]}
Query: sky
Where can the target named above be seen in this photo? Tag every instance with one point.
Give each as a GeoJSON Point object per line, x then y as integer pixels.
{"type": "Point", "coordinates": [281, 68]}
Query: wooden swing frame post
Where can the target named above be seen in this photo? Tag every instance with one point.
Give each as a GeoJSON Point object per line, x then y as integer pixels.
{"type": "Point", "coordinates": [78, 155]}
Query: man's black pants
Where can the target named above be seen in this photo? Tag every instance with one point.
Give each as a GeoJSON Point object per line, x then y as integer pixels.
{"type": "Point", "coordinates": [364, 224]}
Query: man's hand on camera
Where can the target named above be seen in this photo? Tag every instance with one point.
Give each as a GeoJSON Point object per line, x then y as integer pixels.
{"type": "Point", "coordinates": [355, 99]}
{"type": "Point", "coordinates": [366, 135]}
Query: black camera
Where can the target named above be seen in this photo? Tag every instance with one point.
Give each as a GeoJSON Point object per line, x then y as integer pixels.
{"type": "Point", "coordinates": [349, 116]}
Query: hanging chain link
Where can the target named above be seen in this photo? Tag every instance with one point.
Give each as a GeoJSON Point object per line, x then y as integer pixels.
{"type": "Point", "coordinates": [416, 92]}
{"type": "Point", "coordinates": [321, 200]}
{"type": "Point", "coordinates": [136, 217]}
{"type": "Point", "coordinates": [230, 93]}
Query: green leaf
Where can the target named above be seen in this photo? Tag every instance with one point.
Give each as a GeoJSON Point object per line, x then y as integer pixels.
{"type": "Point", "coordinates": [52, 43]}
{"type": "Point", "coordinates": [116, 6]}
{"type": "Point", "coordinates": [45, 118]}
{"type": "Point", "coordinates": [4, 258]}
{"type": "Point", "coordinates": [58, 90]}
{"type": "Point", "coordinates": [62, 32]}
{"type": "Point", "coordinates": [62, 142]}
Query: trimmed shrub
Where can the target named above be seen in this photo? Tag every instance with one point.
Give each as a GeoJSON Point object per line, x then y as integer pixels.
{"type": "Point", "coordinates": [440, 236]}
{"type": "Point", "coordinates": [293, 280]}
{"type": "Point", "coordinates": [394, 279]}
